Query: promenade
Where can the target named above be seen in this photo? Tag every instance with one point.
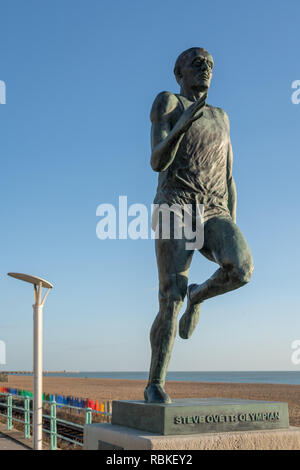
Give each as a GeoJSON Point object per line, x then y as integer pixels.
{"type": "Point", "coordinates": [9, 444]}
{"type": "Point", "coordinates": [13, 440]}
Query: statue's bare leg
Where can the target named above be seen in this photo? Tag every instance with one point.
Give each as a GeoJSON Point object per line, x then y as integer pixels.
{"type": "Point", "coordinates": [173, 262]}
{"type": "Point", "coordinates": [225, 243]}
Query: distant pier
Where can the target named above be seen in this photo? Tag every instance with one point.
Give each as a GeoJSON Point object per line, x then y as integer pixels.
{"type": "Point", "coordinates": [30, 372]}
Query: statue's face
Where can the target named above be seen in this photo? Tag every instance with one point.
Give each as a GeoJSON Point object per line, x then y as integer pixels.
{"type": "Point", "coordinates": [196, 72]}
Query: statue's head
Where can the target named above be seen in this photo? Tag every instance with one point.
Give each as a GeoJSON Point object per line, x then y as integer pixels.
{"type": "Point", "coordinates": [193, 69]}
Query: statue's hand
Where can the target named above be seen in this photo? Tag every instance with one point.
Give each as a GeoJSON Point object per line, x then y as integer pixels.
{"type": "Point", "coordinates": [191, 114]}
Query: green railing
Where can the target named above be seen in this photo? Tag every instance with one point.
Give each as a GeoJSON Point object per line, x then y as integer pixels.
{"type": "Point", "coordinates": [52, 417]}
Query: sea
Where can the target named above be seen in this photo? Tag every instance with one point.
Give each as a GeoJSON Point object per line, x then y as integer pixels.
{"type": "Point", "coordinates": [271, 377]}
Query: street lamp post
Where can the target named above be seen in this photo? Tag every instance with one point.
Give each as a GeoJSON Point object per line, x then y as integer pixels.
{"type": "Point", "coordinates": [38, 284]}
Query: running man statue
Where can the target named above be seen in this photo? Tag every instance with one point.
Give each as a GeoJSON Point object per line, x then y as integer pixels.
{"type": "Point", "coordinates": [192, 152]}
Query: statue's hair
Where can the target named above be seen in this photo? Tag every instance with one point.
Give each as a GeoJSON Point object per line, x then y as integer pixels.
{"type": "Point", "coordinates": [182, 58]}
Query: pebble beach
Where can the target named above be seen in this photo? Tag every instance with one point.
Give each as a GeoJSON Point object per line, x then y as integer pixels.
{"type": "Point", "coordinates": [120, 389]}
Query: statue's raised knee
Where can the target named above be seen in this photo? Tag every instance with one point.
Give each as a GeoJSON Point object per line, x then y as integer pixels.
{"type": "Point", "coordinates": [242, 275]}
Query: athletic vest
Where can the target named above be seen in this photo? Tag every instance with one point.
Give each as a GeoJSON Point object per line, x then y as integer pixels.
{"type": "Point", "coordinates": [198, 172]}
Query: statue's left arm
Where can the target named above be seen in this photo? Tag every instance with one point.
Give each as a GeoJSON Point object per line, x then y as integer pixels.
{"type": "Point", "coordinates": [231, 188]}
{"type": "Point", "coordinates": [231, 184]}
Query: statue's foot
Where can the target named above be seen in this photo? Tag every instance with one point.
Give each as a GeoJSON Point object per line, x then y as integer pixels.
{"type": "Point", "coordinates": [155, 394]}
{"type": "Point", "coordinates": [190, 318]}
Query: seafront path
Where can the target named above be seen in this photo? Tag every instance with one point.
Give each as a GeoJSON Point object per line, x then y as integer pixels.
{"type": "Point", "coordinates": [13, 440]}
{"type": "Point", "coordinates": [9, 444]}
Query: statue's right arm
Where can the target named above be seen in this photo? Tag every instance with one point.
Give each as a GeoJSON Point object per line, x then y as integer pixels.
{"type": "Point", "coordinates": [165, 136]}
{"type": "Point", "coordinates": [169, 125]}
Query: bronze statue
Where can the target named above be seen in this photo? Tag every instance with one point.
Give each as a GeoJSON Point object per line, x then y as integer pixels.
{"type": "Point", "coordinates": [192, 152]}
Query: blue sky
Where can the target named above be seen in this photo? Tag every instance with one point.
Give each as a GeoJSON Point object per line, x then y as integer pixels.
{"type": "Point", "coordinates": [81, 77]}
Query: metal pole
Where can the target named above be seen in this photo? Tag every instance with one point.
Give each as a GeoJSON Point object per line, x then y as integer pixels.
{"type": "Point", "coordinates": [38, 372]}
{"type": "Point", "coordinates": [27, 418]}
{"type": "Point", "coordinates": [53, 427]}
{"type": "Point", "coordinates": [88, 416]}
{"type": "Point", "coordinates": [9, 412]}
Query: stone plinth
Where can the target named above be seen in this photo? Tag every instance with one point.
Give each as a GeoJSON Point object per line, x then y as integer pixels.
{"type": "Point", "coordinates": [195, 424]}
{"type": "Point", "coordinates": [111, 437]}
{"type": "Point", "coordinates": [194, 416]}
